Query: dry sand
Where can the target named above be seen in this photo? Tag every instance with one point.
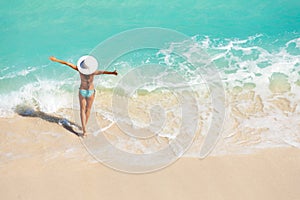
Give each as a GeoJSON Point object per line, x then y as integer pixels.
{"type": "Point", "coordinates": [51, 173]}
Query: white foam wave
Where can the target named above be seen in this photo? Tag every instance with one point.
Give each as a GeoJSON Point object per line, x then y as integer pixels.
{"type": "Point", "coordinates": [262, 95]}
{"type": "Point", "coordinates": [17, 74]}
{"type": "Point", "coordinates": [44, 95]}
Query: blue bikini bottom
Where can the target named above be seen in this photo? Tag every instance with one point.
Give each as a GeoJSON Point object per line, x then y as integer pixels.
{"type": "Point", "coordinates": [86, 93]}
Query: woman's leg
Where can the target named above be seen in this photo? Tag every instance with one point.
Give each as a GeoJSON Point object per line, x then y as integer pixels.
{"type": "Point", "coordinates": [89, 103]}
{"type": "Point", "coordinates": [82, 102]}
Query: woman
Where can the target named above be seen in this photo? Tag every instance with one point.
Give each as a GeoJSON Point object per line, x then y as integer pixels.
{"type": "Point", "coordinates": [87, 68]}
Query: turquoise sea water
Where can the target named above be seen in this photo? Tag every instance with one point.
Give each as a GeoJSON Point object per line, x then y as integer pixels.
{"type": "Point", "coordinates": [31, 30]}
{"type": "Point", "coordinates": [254, 43]}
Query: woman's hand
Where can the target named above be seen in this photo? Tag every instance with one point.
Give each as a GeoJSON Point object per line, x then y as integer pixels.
{"type": "Point", "coordinates": [53, 58]}
{"type": "Point", "coordinates": [115, 73]}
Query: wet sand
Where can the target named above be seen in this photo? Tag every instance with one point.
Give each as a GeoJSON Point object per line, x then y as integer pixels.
{"type": "Point", "coordinates": [48, 168]}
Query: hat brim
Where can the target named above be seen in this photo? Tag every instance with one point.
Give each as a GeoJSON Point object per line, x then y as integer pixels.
{"type": "Point", "coordinates": [84, 70]}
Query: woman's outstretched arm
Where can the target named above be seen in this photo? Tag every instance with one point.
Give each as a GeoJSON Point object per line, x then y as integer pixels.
{"type": "Point", "coordinates": [98, 72]}
{"type": "Point", "coordinates": [63, 62]}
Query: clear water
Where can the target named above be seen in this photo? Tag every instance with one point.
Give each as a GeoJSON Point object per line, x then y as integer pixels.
{"type": "Point", "coordinates": [251, 42]}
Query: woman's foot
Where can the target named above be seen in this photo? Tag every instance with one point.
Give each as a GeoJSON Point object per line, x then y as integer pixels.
{"type": "Point", "coordinates": [84, 134]}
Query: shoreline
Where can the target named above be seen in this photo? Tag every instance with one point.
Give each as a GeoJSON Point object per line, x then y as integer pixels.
{"type": "Point", "coordinates": [55, 165]}
{"type": "Point", "coordinates": [40, 132]}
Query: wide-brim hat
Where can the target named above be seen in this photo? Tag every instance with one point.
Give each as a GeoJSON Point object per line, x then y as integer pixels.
{"type": "Point", "coordinates": [87, 64]}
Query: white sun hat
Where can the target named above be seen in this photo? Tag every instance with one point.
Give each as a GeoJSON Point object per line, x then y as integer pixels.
{"type": "Point", "coordinates": [87, 64]}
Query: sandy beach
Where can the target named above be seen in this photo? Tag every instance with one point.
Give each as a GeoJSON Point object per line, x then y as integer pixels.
{"type": "Point", "coordinates": [195, 79]}
{"type": "Point", "coordinates": [48, 169]}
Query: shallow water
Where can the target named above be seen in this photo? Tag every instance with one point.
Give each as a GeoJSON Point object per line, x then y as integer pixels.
{"type": "Point", "coordinates": [254, 45]}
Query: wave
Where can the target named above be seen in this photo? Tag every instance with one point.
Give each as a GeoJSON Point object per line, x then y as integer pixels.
{"type": "Point", "coordinates": [17, 74]}
{"type": "Point", "coordinates": [44, 95]}
{"type": "Point", "coordinates": [260, 77]}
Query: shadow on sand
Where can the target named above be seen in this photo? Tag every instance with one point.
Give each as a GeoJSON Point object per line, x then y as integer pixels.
{"type": "Point", "coordinates": [30, 112]}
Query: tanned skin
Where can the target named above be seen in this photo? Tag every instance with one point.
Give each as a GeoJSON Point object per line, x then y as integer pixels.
{"type": "Point", "coordinates": [86, 84]}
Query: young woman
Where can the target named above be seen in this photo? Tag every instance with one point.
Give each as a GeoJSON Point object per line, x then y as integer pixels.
{"type": "Point", "coordinates": [87, 68]}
